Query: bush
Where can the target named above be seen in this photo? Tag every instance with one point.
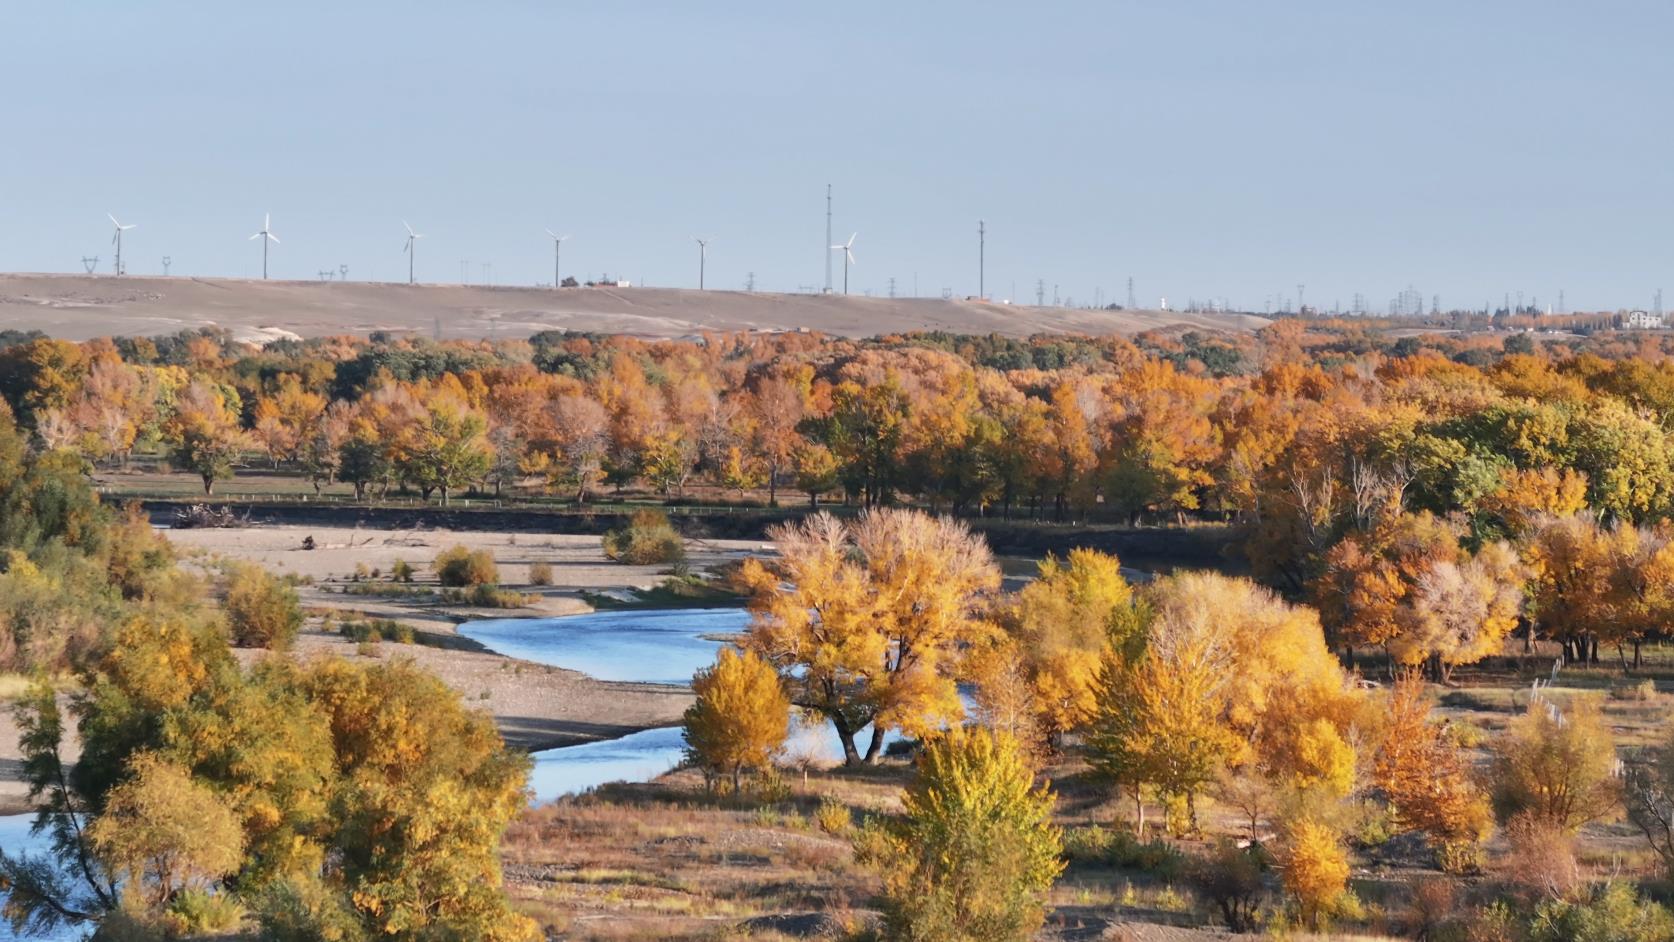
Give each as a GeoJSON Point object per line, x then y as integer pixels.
{"type": "Point", "coordinates": [740, 718]}
{"type": "Point", "coordinates": [834, 817]}
{"type": "Point", "coordinates": [376, 630]}
{"type": "Point", "coordinates": [1557, 765]}
{"type": "Point", "coordinates": [489, 596]}
{"type": "Point", "coordinates": [540, 573]}
{"type": "Point", "coordinates": [304, 909]}
{"type": "Point", "coordinates": [199, 912]}
{"type": "Point", "coordinates": [648, 539]}
{"type": "Point", "coordinates": [1231, 879]}
{"type": "Point", "coordinates": [401, 571]}
{"type": "Point", "coordinates": [462, 568]}
{"type": "Point", "coordinates": [1613, 914]}
{"type": "Point", "coordinates": [1644, 691]}
{"type": "Point", "coordinates": [262, 612]}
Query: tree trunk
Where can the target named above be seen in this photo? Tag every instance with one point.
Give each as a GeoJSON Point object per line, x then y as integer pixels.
{"type": "Point", "coordinates": [444, 490]}
{"type": "Point", "coordinates": [875, 749]}
{"type": "Point", "coordinates": [208, 485]}
{"type": "Point", "coordinates": [845, 735]}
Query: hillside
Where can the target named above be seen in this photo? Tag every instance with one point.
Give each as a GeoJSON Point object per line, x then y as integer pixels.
{"type": "Point", "coordinates": [78, 307]}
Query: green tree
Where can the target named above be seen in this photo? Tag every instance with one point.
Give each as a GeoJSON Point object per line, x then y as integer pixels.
{"type": "Point", "coordinates": [975, 852]}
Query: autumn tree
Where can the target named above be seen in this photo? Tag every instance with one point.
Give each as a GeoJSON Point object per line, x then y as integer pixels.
{"type": "Point", "coordinates": [974, 853]}
{"type": "Point", "coordinates": [162, 831]}
{"type": "Point", "coordinates": [205, 433]}
{"type": "Point", "coordinates": [865, 619]}
{"type": "Point", "coordinates": [740, 717]}
{"type": "Point", "coordinates": [1316, 869]}
{"type": "Point", "coordinates": [1428, 779]}
{"type": "Point", "coordinates": [262, 611]}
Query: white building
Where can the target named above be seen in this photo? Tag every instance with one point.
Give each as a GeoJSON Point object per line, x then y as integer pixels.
{"type": "Point", "coordinates": [1643, 320]}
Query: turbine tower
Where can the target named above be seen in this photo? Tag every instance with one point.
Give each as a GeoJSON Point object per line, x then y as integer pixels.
{"type": "Point", "coordinates": [557, 256]}
{"type": "Point", "coordinates": [412, 239]}
{"type": "Point", "coordinates": [848, 259]}
{"type": "Point", "coordinates": [827, 238]}
{"type": "Point", "coordinates": [266, 235]}
{"type": "Point", "coordinates": [116, 239]}
{"type": "Point", "coordinates": [703, 257]}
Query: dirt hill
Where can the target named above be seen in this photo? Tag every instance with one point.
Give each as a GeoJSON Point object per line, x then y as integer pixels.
{"type": "Point", "coordinates": [80, 306]}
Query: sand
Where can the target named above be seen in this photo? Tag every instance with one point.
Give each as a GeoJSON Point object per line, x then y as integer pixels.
{"type": "Point", "coordinates": [79, 307]}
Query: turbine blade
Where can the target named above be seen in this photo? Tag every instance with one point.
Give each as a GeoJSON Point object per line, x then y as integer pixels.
{"type": "Point", "coordinates": [851, 240]}
{"type": "Point", "coordinates": [112, 219]}
{"type": "Point", "coordinates": [407, 227]}
{"type": "Point", "coordinates": [256, 236]}
{"type": "Point", "coordinates": [273, 238]}
{"type": "Point", "coordinates": [267, 221]}
{"type": "Point", "coordinates": [551, 233]}
{"type": "Point", "coordinates": [851, 257]}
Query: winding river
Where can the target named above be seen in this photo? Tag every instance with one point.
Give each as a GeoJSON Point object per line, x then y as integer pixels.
{"type": "Point", "coordinates": [644, 646]}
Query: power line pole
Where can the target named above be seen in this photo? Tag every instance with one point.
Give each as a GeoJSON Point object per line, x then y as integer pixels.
{"type": "Point", "coordinates": [982, 261]}
{"type": "Point", "coordinates": [1040, 292]}
{"type": "Point", "coordinates": [828, 238]}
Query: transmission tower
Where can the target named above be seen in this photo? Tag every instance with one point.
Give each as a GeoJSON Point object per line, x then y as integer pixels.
{"type": "Point", "coordinates": [1656, 306]}
{"type": "Point", "coordinates": [982, 261]}
{"type": "Point", "coordinates": [1040, 292]}
{"type": "Point", "coordinates": [750, 281]}
{"type": "Point", "coordinates": [326, 273]}
{"type": "Point", "coordinates": [1561, 301]}
{"type": "Point", "coordinates": [1299, 298]}
{"type": "Point", "coordinates": [166, 261]}
{"type": "Point", "coordinates": [1131, 304]}
{"type": "Point", "coordinates": [90, 263]}
{"type": "Point", "coordinates": [343, 272]}
{"type": "Point", "coordinates": [892, 286]}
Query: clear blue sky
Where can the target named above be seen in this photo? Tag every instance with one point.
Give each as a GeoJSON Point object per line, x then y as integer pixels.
{"type": "Point", "coordinates": [1208, 149]}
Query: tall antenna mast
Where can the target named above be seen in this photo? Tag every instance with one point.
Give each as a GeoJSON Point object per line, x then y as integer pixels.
{"type": "Point", "coordinates": [982, 261]}
{"type": "Point", "coordinates": [828, 238]}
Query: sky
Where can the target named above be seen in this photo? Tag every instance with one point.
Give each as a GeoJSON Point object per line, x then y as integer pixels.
{"type": "Point", "coordinates": [1206, 149]}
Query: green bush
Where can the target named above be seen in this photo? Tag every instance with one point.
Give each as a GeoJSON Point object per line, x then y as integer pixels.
{"type": "Point", "coordinates": [461, 567]}
{"type": "Point", "coordinates": [306, 910]}
{"type": "Point", "coordinates": [377, 629]}
{"type": "Point", "coordinates": [262, 612]}
{"type": "Point", "coordinates": [648, 539]}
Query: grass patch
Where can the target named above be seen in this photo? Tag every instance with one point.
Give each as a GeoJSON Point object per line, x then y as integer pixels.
{"type": "Point", "coordinates": [688, 591]}
{"type": "Point", "coordinates": [387, 589]}
{"type": "Point", "coordinates": [489, 596]}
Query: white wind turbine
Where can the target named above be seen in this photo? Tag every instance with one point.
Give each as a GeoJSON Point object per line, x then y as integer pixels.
{"type": "Point", "coordinates": [848, 259]}
{"type": "Point", "coordinates": [266, 235]}
{"type": "Point", "coordinates": [703, 256]}
{"type": "Point", "coordinates": [412, 239]}
{"type": "Point", "coordinates": [557, 255]}
{"type": "Point", "coordinates": [116, 239]}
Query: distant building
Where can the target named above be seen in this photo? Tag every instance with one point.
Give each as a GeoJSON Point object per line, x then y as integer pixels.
{"type": "Point", "coordinates": [1644, 320]}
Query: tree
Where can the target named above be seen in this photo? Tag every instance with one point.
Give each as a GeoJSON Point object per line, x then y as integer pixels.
{"type": "Point", "coordinates": [740, 718]}
{"type": "Point", "coordinates": [361, 461]}
{"type": "Point", "coordinates": [974, 852]}
{"type": "Point", "coordinates": [1555, 764]}
{"type": "Point", "coordinates": [162, 831]}
{"type": "Point", "coordinates": [865, 619]}
{"type": "Point", "coordinates": [262, 611]}
{"type": "Point", "coordinates": [1428, 779]}
{"type": "Point", "coordinates": [1316, 869]}
{"type": "Point", "coordinates": [816, 471]}
{"type": "Point", "coordinates": [1063, 622]}
{"type": "Point", "coordinates": [451, 448]}
{"type": "Point", "coordinates": [205, 433]}
{"type": "Point", "coordinates": [1648, 793]}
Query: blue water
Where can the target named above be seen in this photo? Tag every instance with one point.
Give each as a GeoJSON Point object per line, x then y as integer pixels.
{"type": "Point", "coordinates": [664, 647]}
{"type": "Point", "coordinates": [15, 839]}
{"type": "Point", "coordinates": [656, 647]}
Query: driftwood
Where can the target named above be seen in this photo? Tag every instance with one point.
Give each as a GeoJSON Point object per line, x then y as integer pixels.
{"type": "Point", "coordinates": [203, 515]}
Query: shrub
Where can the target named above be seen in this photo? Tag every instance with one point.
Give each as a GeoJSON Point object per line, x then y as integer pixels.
{"type": "Point", "coordinates": [1557, 765]}
{"type": "Point", "coordinates": [304, 909]}
{"type": "Point", "coordinates": [489, 596]}
{"type": "Point", "coordinates": [1614, 913]}
{"type": "Point", "coordinates": [401, 571]}
{"type": "Point", "coordinates": [740, 718]}
{"type": "Point", "coordinates": [1643, 691]}
{"type": "Point", "coordinates": [834, 817]}
{"type": "Point", "coordinates": [648, 539]}
{"type": "Point", "coordinates": [196, 911]}
{"type": "Point", "coordinates": [975, 852]}
{"type": "Point", "coordinates": [1231, 879]}
{"type": "Point", "coordinates": [262, 611]}
{"type": "Point", "coordinates": [376, 630]}
{"type": "Point", "coordinates": [461, 567]}
{"type": "Point", "coordinates": [540, 573]}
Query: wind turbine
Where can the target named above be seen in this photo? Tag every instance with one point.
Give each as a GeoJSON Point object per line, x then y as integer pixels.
{"type": "Point", "coordinates": [703, 257]}
{"type": "Point", "coordinates": [848, 259]}
{"type": "Point", "coordinates": [412, 238]}
{"type": "Point", "coordinates": [557, 255]}
{"type": "Point", "coordinates": [116, 239]}
{"type": "Point", "coordinates": [266, 235]}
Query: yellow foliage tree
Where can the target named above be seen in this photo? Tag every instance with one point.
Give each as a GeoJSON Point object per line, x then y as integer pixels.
{"type": "Point", "coordinates": [741, 716]}
{"type": "Point", "coordinates": [162, 831]}
{"type": "Point", "coordinates": [1428, 779]}
{"type": "Point", "coordinates": [865, 620]}
{"type": "Point", "coordinates": [1315, 869]}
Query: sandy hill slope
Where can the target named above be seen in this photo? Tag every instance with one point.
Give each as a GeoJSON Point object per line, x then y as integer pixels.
{"type": "Point", "coordinates": [81, 306]}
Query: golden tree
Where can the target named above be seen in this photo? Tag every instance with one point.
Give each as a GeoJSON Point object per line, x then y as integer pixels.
{"type": "Point", "coordinates": [163, 831]}
{"type": "Point", "coordinates": [865, 619]}
{"type": "Point", "coordinates": [1316, 869]}
{"type": "Point", "coordinates": [1428, 779]}
{"type": "Point", "coordinates": [740, 718]}
{"type": "Point", "coordinates": [1555, 764]}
